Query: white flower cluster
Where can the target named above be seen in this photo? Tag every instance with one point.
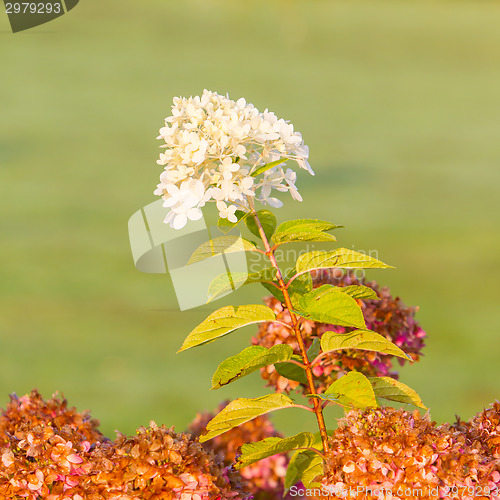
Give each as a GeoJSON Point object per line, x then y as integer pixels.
{"type": "Point", "coordinates": [214, 147]}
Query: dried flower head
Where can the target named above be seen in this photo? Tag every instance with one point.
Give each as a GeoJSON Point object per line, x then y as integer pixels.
{"type": "Point", "coordinates": [45, 448]}
{"type": "Point", "coordinates": [388, 317]}
{"type": "Point", "coordinates": [265, 479]}
{"type": "Point", "coordinates": [157, 463]}
{"type": "Point", "coordinates": [213, 146]}
{"type": "Point", "coordinates": [394, 449]}
{"type": "Point", "coordinates": [53, 452]}
{"type": "Point", "coordinates": [483, 431]}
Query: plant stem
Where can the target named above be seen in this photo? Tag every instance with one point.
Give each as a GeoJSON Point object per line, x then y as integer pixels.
{"type": "Point", "coordinates": [317, 406]}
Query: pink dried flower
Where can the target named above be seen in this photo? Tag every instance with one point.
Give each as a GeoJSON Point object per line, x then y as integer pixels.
{"type": "Point", "coordinates": [157, 463]}
{"type": "Point", "coordinates": [395, 449]}
{"type": "Point", "coordinates": [388, 317]}
{"type": "Point", "coordinates": [265, 479]}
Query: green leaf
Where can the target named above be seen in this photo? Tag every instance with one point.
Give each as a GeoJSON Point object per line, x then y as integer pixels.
{"type": "Point", "coordinates": [342, 257]}
{"type": "Point", "coordinates": [226, 320]}
{"type": "Point", "coordinates": [267, 220]}
{"type": "Point", "coordinates": [304, 466]}
{"type": "Point", "coordinates": [328, 304]}
{"type": "Point", "coordinates": [221, 244]}
{"type": "Point", "coordinates": [301, 225]}
{"type": "Point", "coordinates": [249, 360]}
{"type": "Point", "coordinates": [360, 292]}
{"type": "Point", "coordinates": [279, 239]}
{"type": "Point", "coordinates": [298, 287]}
{"type": "Point", "coordinates": [314, 350]}
{"type": "Point", "coordinates": [388, 388]}
{"type": "Point", "coordinates": [361, 339]}
{"type": "Point", "coordinates": [268, 166]}
{"type": "Point", "coordinates": [304, 230]}
{"type": "Point", "coordinates": [225, 225]}
{"type": "Point", "coordinates": [226, 282]}
{"type": "Point", "coordinates": [242, 410]}
{"type": "Point", "coordinates": [351, 390]}
{"type": "Point", "coordinates": [253, 452]}
{"type": "Point", "coordinates": [291, 371]}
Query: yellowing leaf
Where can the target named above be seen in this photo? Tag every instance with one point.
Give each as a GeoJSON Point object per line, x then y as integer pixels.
{"type": "Point", "coordinates": [342, 257]}
{"type": "Point", "coordinates": [351, 390]}
{"type": "Point", "coordinates": [249, 360]}
{"type": "Point", "coordinates": [226, 320]}
{"type": "Point", "coordinates": [304, 230]}
{"type": "Point", "coordinates": [221, 244]}
{"type": "Point", "coordinates": [360, 292]}
{"type": "Point", "coordinates": [328, 304]}
{"type": "Point", "coordinates": [242, 410]}
{"type": "Point", "coordinates": [388, 388]}
{"type": "Point", "coordinates": [253, 452]}
{"type": "Point", "coordinates": [226, 282]}
{"type": "Point", "coordinates": [360, 339]}
{"type": "Point", "coordinates": [304, 466]}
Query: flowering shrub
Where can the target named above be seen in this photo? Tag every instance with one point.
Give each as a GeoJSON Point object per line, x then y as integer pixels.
{"type": "Point", "coordinates": [228, 151]}
{"type": "Point", "coordinates": [403, 451]}
{"type": "Point", "coordinates": [387, 316]}
{"type": "Point", "coordinates": [264, 478]}
{"type": "Point", "coordinates": [215, 147]}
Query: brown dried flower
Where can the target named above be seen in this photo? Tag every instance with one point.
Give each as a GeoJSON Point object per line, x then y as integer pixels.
{"type": "Point", "coordinates": [399, 450]}
{"type": "Point", "coordinates": [157, 463]}
{"type": "Point", "coordinates": [265, 478]}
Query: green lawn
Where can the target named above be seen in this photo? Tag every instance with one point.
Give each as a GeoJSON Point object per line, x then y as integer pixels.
{"type": "Point", "coordinates": [400, 105]}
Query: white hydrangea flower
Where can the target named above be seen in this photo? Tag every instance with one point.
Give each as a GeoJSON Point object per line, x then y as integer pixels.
{"type": "Point", "coordinates": [213, 146]}
{"type": "Point", "coordinates": [227, 212]}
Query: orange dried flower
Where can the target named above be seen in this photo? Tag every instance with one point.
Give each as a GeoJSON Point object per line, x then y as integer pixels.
{"type": "Point", "coordinates": [400, 450]}
{"type": "Point", "coordinates": [265, 479]}
{"type": "Point", "coordinates": [157, 463]}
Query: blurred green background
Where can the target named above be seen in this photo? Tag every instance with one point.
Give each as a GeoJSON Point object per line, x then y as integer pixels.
{"type": "Point", "coordinates": [400, 105]}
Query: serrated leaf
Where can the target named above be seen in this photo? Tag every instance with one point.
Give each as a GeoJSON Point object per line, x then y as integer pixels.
{"type": "Point", "coordinates": [221, 244]}
{"type": "Point", "coordinates": [291, 371]}
{"type": "Point", "coordinates": [314, 350]}
{"type": "Point", "coordinates": [304, 230]}
{"type": "Point", "coordinates": [388, 388]}
{"type": "Point", "coordinates": [226, 320]}
{"type": "Point", "coordinates": [249, 360]}
{"type": "Point", "coordinates": [366, 340]}
{"type": "Point", "coordinates": [242, 410]}
{"type": "Point", "coordinates": [360, 292]}
{"type": "Point", "coordinates": [267, 166]}
{"type": "Point", "coordinates": [253, 452]}
{"type": "Point", "coordinates": [225, 225]}
{"type": "Point", "coordinates": [304, 466]}
{"type": "Point", "coordinates": [351, 390]}
{"type": "Point", "coordinates": [226, 282]}
{"type": "Point", "coordinates": [342, 257]}
{"type": "Point", "coordinates": [267, 220]}
{"type": "Point", "coordinates": [327, 304]}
